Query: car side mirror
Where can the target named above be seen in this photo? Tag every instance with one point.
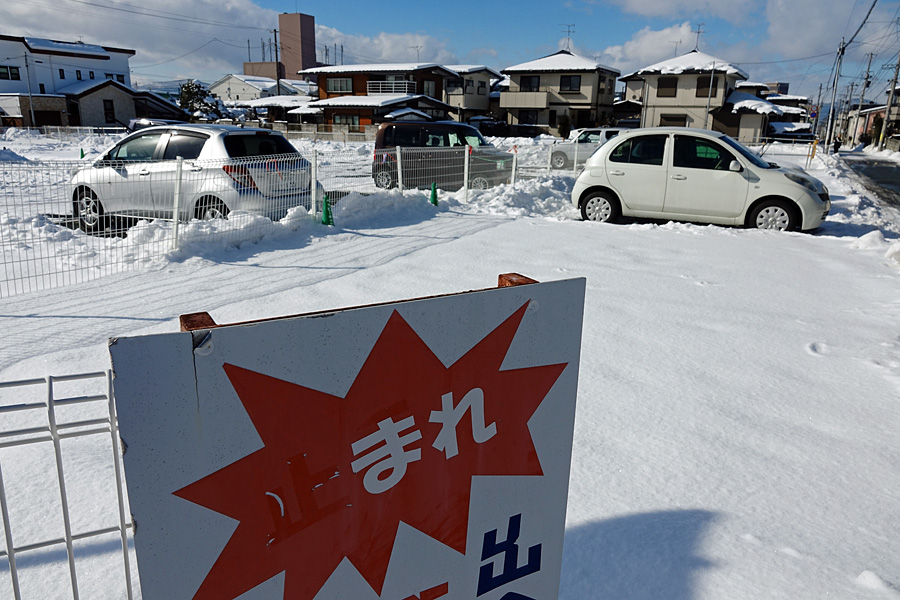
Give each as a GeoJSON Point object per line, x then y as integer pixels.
{"type": "Point", "coordinates": [735, 166]}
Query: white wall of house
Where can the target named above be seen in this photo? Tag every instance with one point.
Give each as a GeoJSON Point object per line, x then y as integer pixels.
{"type": "Point", "coordinates": [54, 71]}
{"type": "Point", "coordinates": [233, 88]}
{"type": "Point", "coordinates": [471, 93]}
{"type": "Point", "coordinates": [593, 97]}
{"type": "Point", "coordinates": [691, 100]}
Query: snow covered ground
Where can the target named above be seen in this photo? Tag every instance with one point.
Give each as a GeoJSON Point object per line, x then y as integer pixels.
{"type": "Point", "coordinates": [739, 399]}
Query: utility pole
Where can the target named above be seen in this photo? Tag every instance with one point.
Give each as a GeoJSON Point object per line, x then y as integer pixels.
{"type": "Point", "coordinates": [887, 109]}
{"type": "Point", "coordinates": [712, 78]}
{"type": "Point", "coordinates": [277, 66]}
{"type": "Point", "coordinates": [862, 96]}
{"type": "Point", "coordinates": [848, 104]}
{"type": "Point", "coordinates": [829, 133]}
{"type": "Point", "coordinates": [30, 97]}
{"type": "Point", "coordinates": [818, 110]}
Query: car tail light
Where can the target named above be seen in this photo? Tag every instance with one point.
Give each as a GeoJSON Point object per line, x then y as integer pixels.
{"type": "Point", "coordinates": [241, 175]}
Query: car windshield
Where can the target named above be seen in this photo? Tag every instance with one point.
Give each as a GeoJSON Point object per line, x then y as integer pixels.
{"type": "Point", "coordinates": [467, 136]}
{"type": "Point", "coordinates": [241, 145]}
{"type": "Point", "coordinates": [747, 153]}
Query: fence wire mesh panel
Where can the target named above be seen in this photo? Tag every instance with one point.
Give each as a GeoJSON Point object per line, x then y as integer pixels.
{"type": "Point", "coordinates": [66, 222]}
{"type": "Point", "coordinates": [65, 530]}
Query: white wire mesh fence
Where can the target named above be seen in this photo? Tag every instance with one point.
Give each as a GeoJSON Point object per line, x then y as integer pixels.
{"type": "Point", "coordinates": [64, 521]}
{"type": "Point", "coordinates": [65, 222]}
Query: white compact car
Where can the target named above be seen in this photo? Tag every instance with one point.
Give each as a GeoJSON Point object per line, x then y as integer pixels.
{"type": "Point", "coordinates": [225, 169]}
{"type": "Point", "coordinates": [696, 175]}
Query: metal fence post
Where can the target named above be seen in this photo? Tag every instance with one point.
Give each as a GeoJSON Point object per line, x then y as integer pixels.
{"type": "Point", "coordinates": [515, 165]}
{"type": "Point", "coordinates": [176, 208]}
{"type": "Point", "coordinates": [313, 184]}
{"type": "Point", "coordinates": [466, 174]}
{"type": "Point", "coordinates": [399, 169]}
{"type": "Point", "coordinates": [10, 549]}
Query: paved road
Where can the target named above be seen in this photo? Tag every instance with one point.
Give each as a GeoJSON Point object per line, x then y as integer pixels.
{"type": "Point", "coordinates": [880, 175]}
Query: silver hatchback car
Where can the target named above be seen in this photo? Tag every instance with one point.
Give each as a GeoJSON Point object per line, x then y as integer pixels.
{"type": "Point", "coordinates": [224, 169]}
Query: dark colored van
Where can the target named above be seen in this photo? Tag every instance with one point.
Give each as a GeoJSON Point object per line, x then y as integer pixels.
{"type": "Point", "coordinates": [435, 152]}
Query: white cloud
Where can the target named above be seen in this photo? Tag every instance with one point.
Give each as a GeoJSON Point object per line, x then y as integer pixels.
{"type": "Point", "coordinates": [733, 10]}
{"type": "Point", "coordinates": [646, 47]}
{"type": "Point", "coordinates": [384, 47]}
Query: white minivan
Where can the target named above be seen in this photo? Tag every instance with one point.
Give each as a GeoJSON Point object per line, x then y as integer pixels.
{"type": "Point", "coordinates": [696, 175]}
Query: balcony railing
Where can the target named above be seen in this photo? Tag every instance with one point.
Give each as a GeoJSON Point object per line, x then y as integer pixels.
{"type": "Point", "coordinates": [375, 88]}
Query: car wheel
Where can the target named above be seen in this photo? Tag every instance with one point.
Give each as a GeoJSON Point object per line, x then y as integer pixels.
{"type": "Point", "coordinates": [89, 211]}
{"type": "Point", "coordinates": [385, 179]}
{"type": "Point", "coordinates": [773, 214]}
{"type": "Point", "coordinates": [479, 183]}
{"type": "Point", "coordinates": [600, 207]}
{"type": "Point", "coordinates": [558, 160]}
{"type": "Point", "coordinates": [211, 208]}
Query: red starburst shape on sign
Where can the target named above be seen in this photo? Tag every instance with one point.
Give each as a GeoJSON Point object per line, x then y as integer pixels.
{"type": "Point", "coordinates": [337, 475]}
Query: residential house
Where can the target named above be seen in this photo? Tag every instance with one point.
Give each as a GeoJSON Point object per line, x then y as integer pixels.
{"type": "Point", "coordinates": [361, 95]}
{"type": "Point", "coordinates": [699, 90]}
{"type": "Point", "coordinates": [48, 82]}
{"type": "Point", "coordinates": [543, 90]}
{"type": "Point", "coordinates": [469, 92]}
{"type": "Point", "coordinates": [236, 87]}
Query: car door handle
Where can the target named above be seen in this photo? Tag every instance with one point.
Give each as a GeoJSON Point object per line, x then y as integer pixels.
{"type": "Point", "coordinates": [143, 172]}
{"type": "Point", "coordinates": [195, 168]}
{"type": "Point", "coordinates": [617, 172]}
{"type": "Point", "coordinates": [679, 177]}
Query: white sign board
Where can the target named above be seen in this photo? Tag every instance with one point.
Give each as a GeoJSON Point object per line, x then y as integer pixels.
{"type": "Point", "coordinates": [415, 450]}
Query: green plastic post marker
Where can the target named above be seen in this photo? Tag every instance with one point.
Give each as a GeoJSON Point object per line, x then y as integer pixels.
{"type": "Point", "coordinates": [327, 218]}
{"type": "Point", "coordinates": [434, 193]}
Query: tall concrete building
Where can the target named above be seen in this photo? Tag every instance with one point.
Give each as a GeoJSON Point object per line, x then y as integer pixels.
{"type": "Point", "coordinates": [296, 48]}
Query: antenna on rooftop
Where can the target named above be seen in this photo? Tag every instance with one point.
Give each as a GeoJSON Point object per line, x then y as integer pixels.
{"type": "Point", "coordinates": [698, 31]}
{"type": "Point", "coordinates": [570, 29]}
{"type": "Point", "coordinates": [677, 43]}
{"type": "Point", "coordinates": [416, 48]}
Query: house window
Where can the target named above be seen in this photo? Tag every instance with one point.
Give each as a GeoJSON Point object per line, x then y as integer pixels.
{"type": "Point", "coordinates": [62, 73]}
{"type": "Point", "coordinates": [529, 83]}
{"type": "Point", "coordinates": [120, 78]}
{"type": "Point", "coordinates": [454, 86]}
{"type": "Point", "coordinates": [9, 73]}
{"type": "Point", "coordinates": [428, 88]}
{"type": "Point", "coordinates": [570, 83]}
{"type": "Point", "coordinates": [43, 90]}
{"type": "Point", "coordinates": [470, 86]}
{"type": "Point", "coordinates": [90, 74]}
{"type": "Point", "coordinates": [109, 75]}
{"type": "Point", "coordinates": [339, 85]}
{"type": "Point", "coordinates": [666, 87]}
{"type": "Point", "coordinates": [673, 120]}
{"type": "Point", "coordinates": [109, 111]}
{"type": "Point", "coordinates": [552, 121]}
{"type": "Point", "coordinates": [528, 117]}
{"type": "Point", "coordinates": [78, 75]}
{"type": "Point", "coordinates": [482, 88]}
{"type": "Point", "coordinates": [703, 86]}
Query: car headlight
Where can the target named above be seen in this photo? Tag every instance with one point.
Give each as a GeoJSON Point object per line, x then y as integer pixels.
{"type": "Point", "coordinates": [804, 181]}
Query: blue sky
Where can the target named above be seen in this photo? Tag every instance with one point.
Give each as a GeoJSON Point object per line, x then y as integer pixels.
{"type": "Point", "coordinates": [773, 40]}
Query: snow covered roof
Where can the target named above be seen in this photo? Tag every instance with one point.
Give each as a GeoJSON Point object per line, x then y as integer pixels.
{"type": "Point", "coordinates": [786, 98]}
{"type": "Point", "coordinates": [286, 101]}
{"type": "Point", "coordinates": [305, 110]}
{"type": "Point", "coordinates": [82, 87]}
{"type": "Point", "coordinates": [407, 112]}
{"type": "Point", "coordinates": [374, 68]}
{"type": "Point", "coordinates": [562, 61]}
{"type": "Point", "coordinates": [752, 84]}
{"type": "Point", "coordinates": [692, 62]}
{"type": "Point", "coordinates": [373, 101]}
{"type": "Point", "coordinates": [76, 48]}
{"type": "Point", "coordinates": [463, 69]}
{"type": "Point", "coordinates": [790, 127]}
{"type": "Point", "coordinates": [744, 101]}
